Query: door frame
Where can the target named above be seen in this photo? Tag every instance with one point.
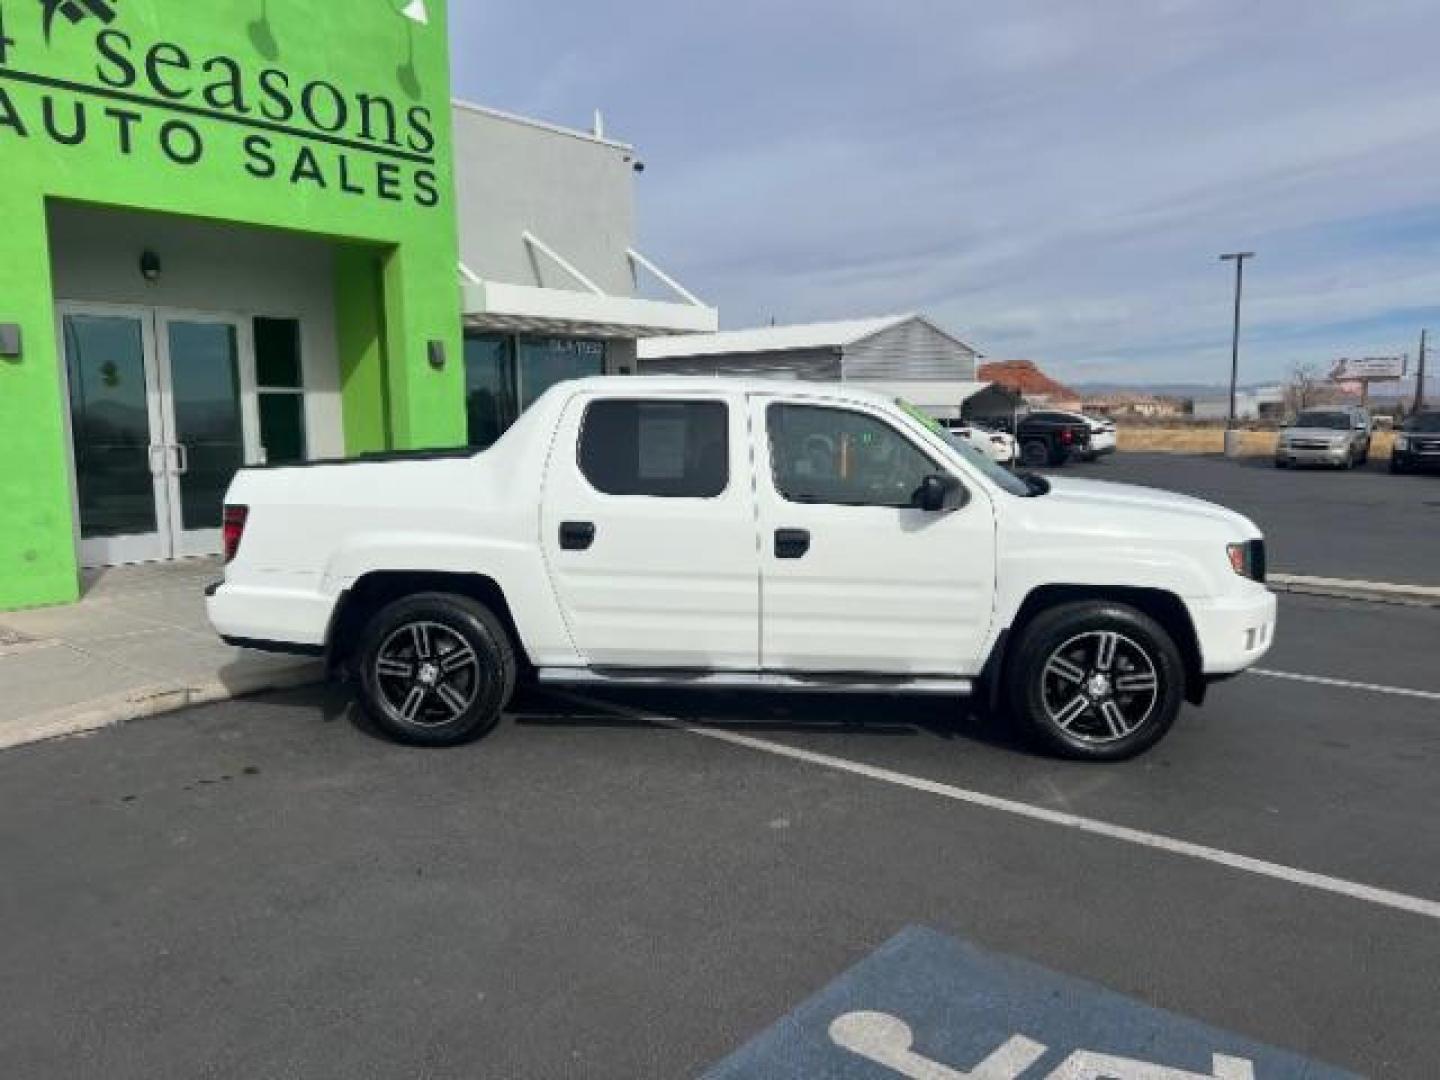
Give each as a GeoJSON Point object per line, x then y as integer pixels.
{"type": "Point", "coordinates": [200, 542]}
{"type": "Point", "coordinates": [781, 612]}
{"type": "Point", "coordinates": [140, 547]}
{"type": "Point", "coordinates": [169, 541]}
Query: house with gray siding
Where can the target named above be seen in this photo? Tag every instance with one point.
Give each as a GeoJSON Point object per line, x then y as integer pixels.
{"type": "Point", "coordinates": [904, 355]}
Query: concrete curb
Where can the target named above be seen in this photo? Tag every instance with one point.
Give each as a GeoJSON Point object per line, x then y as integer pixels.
{"type": "Point", "coordinates": [100, 713]}
{"type": "Point", "coordinates": [1375, 592]}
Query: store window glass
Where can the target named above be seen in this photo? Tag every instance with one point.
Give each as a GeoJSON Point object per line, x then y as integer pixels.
{"type": "Point", "coordinates": [543, 362]}
{"type": "Point", "coordinates": [280, 390]}
{"type": "Point", "coordinates": [489, 387]}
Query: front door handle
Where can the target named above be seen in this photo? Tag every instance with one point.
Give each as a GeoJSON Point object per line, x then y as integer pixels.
{"type": "Point", "coordinates": [576, 535]}
{"type": "Point", "coordinates": [791, 543]}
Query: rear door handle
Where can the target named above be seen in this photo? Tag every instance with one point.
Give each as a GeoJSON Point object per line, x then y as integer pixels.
{"type": "Point", "coordinates": [577, 535]}
{"type": "Point", "coordinates": [791, 543]}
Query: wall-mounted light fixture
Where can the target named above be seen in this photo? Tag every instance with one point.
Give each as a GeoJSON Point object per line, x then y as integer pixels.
{"type": "Point", "coordinates": [150, 266]}
{"type": "Point", "coordinates": [10, 341]}
{"type": "Point", "coordinates": [435, 350]}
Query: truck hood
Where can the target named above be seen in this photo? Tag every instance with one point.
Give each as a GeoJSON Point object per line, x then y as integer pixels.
{"type": "Point", "coordinates": [1087, 497]}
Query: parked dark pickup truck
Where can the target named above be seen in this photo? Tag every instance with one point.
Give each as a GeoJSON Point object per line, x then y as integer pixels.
{"type": "Point", "coordinates": [1050, 438]}
{"type": "Point", "coordinates": [1417, 444]}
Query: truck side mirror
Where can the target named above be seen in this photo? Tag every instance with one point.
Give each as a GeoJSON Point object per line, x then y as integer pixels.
{"type": "Point", "coordinates": [939, 493]}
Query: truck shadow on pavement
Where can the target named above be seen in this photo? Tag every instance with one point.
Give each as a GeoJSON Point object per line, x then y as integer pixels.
{"type": "Point", "coordinates": [760, 712]}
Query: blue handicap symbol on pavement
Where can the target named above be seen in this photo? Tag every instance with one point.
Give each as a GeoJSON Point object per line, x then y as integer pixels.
{"type": "Point", "coordinates": [928, 1007]}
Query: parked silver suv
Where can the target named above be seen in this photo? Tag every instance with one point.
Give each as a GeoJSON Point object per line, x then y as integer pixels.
{"type": "Point", "coordinates": [1338, 436]}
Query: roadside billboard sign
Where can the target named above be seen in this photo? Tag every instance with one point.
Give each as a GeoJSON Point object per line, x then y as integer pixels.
{"type": "Point", "coordinates": [1368, 367]}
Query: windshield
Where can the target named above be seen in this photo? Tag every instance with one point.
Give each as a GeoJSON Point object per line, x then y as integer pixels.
{"type": "Point", "coordinates": [998, 475]}
{"type": "Point", "coordinates": [1337, 420]}
{"type": "Point", "coordinates": [1424, 422]}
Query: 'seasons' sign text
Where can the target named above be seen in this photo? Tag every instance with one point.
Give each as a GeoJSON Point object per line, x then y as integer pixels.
{"type": "Point", "coordinates": [305, 132]}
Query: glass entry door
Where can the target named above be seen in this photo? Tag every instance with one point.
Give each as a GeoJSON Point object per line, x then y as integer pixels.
{"type": "Point", "coordinates": [161, 417]}
{"type": "Point", "coordinates": [204, 402]}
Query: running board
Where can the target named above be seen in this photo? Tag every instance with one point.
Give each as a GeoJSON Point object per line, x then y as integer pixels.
{"type": "Point", "coordinates": [758, 680]}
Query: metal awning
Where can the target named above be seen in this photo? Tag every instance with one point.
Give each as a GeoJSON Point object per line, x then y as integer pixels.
{"type": "Point", "coordinates": [532, 309]}
{"type": "Point", "coordinates": [525, 309]}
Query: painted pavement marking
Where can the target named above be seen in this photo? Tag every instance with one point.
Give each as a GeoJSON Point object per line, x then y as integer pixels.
{"type": "Point", "coordinates": [1348, 684]}
{"type": "Point", "coordinates": [925, 1006]}
{"type": "Point", "coordinates": [1309, 879]}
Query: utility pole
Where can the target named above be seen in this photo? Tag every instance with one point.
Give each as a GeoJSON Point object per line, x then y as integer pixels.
{"type": "Point", "coordinates": [1238, 258]}
{"type": "Point", "coordinates": [1420, 377]}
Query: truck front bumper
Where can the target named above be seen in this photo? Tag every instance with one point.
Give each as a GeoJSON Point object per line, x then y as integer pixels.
{"type": "Point", "coordinates": [1234, 632]}
{"type": "Point", "coordinates": [1309, 455]}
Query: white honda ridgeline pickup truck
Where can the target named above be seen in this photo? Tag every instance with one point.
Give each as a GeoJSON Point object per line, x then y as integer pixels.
{"type": "Point", "coordinates": [735, 533]}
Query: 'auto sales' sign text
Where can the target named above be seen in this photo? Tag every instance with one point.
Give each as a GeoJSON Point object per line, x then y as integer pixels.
{"type": "Point", "coordinates": [305, 132]}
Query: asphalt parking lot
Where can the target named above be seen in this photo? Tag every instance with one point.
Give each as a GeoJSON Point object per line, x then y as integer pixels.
{"type": "Point", "coordinates": [665, 886]}
{"type": "Point", "coordinates": [1363, 524]}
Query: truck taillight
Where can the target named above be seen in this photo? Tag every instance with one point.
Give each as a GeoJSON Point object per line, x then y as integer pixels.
{"type": "Point", "coordinates": [233, 529]}
{"type": "Point", "coordinates": [1067, 436]}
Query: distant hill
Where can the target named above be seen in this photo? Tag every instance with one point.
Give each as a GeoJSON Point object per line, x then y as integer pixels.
{"type": "Point", "coordinates": [1164, 389]}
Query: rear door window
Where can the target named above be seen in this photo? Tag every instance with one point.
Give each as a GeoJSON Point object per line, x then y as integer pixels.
{"type": "Point", "coordinates": [657, 448]}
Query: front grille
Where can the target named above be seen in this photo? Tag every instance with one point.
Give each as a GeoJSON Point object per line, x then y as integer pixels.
{"type": "Point", "coordinates": [1429, 446]}
{"type": "Point", "coordinates": [1257, 560]}
{"type": "Point", "coordinates": [1309, 444]}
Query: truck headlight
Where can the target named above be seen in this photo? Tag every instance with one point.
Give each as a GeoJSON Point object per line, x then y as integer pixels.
{"type": "Point", "coordinates": [1247, 558]}
{"type": "Point", "coordinates": [1402, 442]}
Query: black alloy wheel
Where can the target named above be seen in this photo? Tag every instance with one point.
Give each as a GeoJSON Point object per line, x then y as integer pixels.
{"type": "Point", "coordinates": [1096, 680]}
{"type": "Point", "coordinates": [436, 669]}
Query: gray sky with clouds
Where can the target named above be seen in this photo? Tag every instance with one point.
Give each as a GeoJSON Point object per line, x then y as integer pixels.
{"type": "Point", "coordinates": [1050, 179]}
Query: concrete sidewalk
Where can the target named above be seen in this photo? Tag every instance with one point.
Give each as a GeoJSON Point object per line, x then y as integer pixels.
{"type": "Point", "coordinates": [137, 644]}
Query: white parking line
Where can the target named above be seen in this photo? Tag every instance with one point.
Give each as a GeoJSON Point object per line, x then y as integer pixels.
{"type": "Point", "coordinates": [1415, 905]}
{"type": "Point", "coordinates": [1347, 684]}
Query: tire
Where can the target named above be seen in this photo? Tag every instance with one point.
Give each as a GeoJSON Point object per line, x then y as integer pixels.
{"type": "Point", "coordinates": [450, 651]}
{"type": "Point", "coordinates": [1397, 468]}
{"type": "Point", "coordinates": [1057, 663]}
{"type": "Point", "coordinates": [1034, 453]}
{"type": "Point", "coordinates": [1281, 463]}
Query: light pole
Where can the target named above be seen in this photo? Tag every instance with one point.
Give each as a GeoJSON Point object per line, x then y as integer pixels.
{"type": "Point", "coordinates": [1238, 258]}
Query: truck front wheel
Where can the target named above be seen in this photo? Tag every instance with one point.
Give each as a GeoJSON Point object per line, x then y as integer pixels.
{"type": "Point", "coordinates": [436, 669]}
{"type": "Point", "coordinates": [1096, 680]}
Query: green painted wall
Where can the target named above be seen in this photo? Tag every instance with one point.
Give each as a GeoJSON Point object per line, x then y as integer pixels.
{"type": "Point", "coordinates": [326, 117]}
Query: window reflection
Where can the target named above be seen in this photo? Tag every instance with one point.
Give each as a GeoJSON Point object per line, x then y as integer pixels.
{"type": "Point", "coordinates": [506, 374]}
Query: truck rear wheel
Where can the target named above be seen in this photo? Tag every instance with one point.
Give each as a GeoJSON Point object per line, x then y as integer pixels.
{"type": "Point", "coordinates": [1096, 681]}
{"type": "Point", "coordinates": [436, 669]}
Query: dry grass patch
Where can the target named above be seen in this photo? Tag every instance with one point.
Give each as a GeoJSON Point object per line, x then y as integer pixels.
{"type": "Point", "coordinates": [1212, 441]}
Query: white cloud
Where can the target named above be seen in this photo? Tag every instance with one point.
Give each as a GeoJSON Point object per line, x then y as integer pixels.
{"type": "Point", "coordinates": [1051, 179]}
